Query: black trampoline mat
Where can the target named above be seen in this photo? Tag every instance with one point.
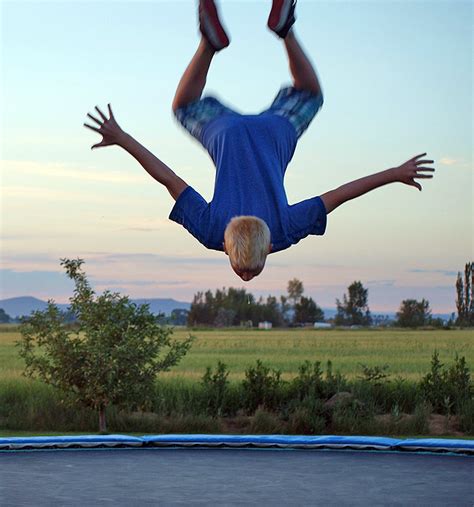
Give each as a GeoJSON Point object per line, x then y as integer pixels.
{"type": "Point", "coordinates": [132, 477]}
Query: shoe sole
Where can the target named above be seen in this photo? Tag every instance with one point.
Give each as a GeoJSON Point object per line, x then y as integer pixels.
{"type": "Point", "coordinates": [211, 25]}
{"type": "Point", "coordinates": [279, 14]}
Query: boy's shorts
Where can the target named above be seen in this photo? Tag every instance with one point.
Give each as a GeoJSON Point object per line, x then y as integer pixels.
{"type": "Point", "coordinates": [298, 106]}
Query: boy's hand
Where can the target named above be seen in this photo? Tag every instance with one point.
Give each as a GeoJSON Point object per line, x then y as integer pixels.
{"type": "Point", "coordinates": [109, 129]}
{"type": "Point", "coordinates": [410, 170]}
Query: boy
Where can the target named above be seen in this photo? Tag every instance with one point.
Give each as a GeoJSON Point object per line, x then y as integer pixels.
{"type": "Point", "coordinates": [249, 215]}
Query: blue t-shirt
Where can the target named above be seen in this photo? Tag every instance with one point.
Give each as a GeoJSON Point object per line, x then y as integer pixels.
{"type": "Point", "coordinates": [251, 154]}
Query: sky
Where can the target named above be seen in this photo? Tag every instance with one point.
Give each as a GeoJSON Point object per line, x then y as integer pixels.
{"type": "Point", "coordinates": [397, 80]}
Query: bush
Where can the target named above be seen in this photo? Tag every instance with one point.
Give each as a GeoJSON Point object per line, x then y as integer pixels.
{"type": "Point", "coordinates": [458, 379]}
{"type": "Point", "coordinates": [373, 388]}
{"type": "Point", "coordinates": [215, 389]}
{"type": "Point", "coordinates": [353, 418]}
{"type": "Point", "coordinates": [264, 422]}
{"type": "Point", "coordinates": [433, 384]}
{"type": "Point", "coordinates": [262, 387]}
{"type": "Point", "coordinates": [110, 359]}
{"type": "Point", "coordinates": [309, 382]}
{"type": "Point", "coordinates": [466, 417]}
{"type": "Point", "coordinates": [307, 417]}
{"type": "Point", "coordinates": [420, 421]}
{"type": "Point", "coordinates": [447, 389]}
{"type": "Point", "coordinates": [405, 394]}
{"type": "Point", "coordinates": [407, 424]}
{"type": "Point", "coordinates": [334, 382]}
{"type": "Point", "coordinates": [375, 375]}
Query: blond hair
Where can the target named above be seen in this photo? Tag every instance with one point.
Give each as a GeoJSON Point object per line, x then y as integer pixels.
{"type": "Point", "coordinates": [247, 242]}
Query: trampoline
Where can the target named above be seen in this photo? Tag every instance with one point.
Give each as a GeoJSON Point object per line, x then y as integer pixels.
{"type": "Point", "coordinates": [235, 470]}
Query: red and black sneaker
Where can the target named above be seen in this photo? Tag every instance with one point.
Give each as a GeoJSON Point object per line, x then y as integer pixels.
{"type": "Point", "coordinates": [282, 17]}
{"type": "Point", "coordinates": [210, 25]}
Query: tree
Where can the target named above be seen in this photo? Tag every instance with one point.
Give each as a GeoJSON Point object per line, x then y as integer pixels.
{"type": "Point", "coordinates": [285, 308]}
{"type": "Point", "coordinates": [465, 296]}
{"type": "Point", "coordinates": [4, 317]}
{"type": "Point", "coordinates": [224, 317]}
{"type": "Point", "coordinates": [267, 310]}
{"type": "Point", "coordinates": [231, 307]}
{"type": "Point", "coordinates": [354, 309]}
{"type": "Point", "coordinates": [202, 309]}
{"type": "Point", "coordinates": [308, 311]}
{"type": "Point", "coordinates": [179, 317]}
{"type": "Point", "coordinates": [295, 290]}
{"type": "Point", "coordinates": [113, 355]}
{"type": "Point", "coordinates": [414, 313]}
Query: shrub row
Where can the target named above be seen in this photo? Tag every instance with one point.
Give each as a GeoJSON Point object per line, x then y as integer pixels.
{"type": "Point", "coordinates": [318, 400]}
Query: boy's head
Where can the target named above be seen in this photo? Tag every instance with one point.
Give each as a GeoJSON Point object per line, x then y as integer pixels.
{"type": "Point", "coordinates": [247, 243]}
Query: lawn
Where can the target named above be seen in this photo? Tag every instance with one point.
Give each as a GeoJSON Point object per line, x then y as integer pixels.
{"type": "Point", "coordinates": [407, 352]}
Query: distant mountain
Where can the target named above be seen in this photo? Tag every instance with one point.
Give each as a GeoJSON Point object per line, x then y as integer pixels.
{"type": "Point", "coordinates": [17, 307]}
{"type": "Point", "coordinates": [165, 306]}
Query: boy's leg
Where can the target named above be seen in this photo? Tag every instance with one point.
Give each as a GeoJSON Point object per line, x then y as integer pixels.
{"type": "Point", "coordinates": [192, 111]}
{"type": "Point", "coordinates": [301, 102]}
{"type": "Point", "coordinates": [304, 75]}
{"type": "Point", "coordinates": [192, 83]}
{"type": "Point", "coordinates": [281, 20]}
{"type": "Point", "coordinates": [214, 38]}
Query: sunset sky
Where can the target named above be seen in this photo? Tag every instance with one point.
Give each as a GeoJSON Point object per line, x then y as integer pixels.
{"type": "Point", "coordinates": [397, 79]}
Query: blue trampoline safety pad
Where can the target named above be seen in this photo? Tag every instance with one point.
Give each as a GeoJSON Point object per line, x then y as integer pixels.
{"type": "Point", "coordinates": [283, 441]}
{"type": "Point", "coordinates": [241, 441]}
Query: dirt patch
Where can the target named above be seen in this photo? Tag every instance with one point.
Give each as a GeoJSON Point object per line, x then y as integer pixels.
{"type": "Point", "coordinates": [236, 425]}
{"type": "Point", "coordinates": [438, 425]}
{"type": "Point", "coordinates": [444, 425]}
{"type": "Point", "coordinates": [386, 419]}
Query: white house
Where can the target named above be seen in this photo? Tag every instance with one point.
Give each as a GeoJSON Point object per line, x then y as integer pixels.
{"type": "Point", "coordinates": [322, 325]}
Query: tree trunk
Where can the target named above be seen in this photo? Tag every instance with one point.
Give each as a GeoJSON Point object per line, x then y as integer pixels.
{"type": "Point", "coordinates": [102, 420]}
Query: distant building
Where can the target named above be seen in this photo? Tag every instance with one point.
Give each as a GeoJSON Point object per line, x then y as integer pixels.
{"type": "Point", "coordinates": [322, 325]}
{"type": "Point", "coordinates": [264, 325]}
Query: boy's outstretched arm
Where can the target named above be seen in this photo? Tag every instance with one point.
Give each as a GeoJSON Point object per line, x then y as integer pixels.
{"type": "Point", "coordinates": [406, 173]}
{"type": "Point", "coordinates": [112, 134]}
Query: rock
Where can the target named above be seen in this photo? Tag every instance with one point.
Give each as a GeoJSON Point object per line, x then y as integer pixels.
{"type": "Point", "coordinates": [339, 399]}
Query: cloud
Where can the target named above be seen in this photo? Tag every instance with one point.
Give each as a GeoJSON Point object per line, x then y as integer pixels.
{"type": "Point", "coordinates": [164, 259]}
{"type": "Point", "coordinates": [381, 283]}
{"type": "Point", "coordinates": [141, 223]}
{"type": "Point", "coordinates": [448, 161]}
{"type": "Point", "coordinates": [40, 261]}
{"type": "Point", "coordinates": [137, 283]}
{"type": "Point", "coordinates": [114, 283]}
{"type": "Point", "coordinates": [451, 161]}
{"type": "Point", "coordinates": [68, 171]}
{"type": "Point", "coordinates": [21, 262]}
{"type": "Point", "coordinates": [45, 193]}
{"type": "Point", "coordinates": [445, 272]}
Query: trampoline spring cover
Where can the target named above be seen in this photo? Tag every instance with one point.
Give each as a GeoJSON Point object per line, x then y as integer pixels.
{"type": "Point", "coordinates": [458, 446]}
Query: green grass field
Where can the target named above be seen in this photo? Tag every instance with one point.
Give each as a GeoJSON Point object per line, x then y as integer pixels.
{"type": "Point", "coordinates": [408, 352]}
